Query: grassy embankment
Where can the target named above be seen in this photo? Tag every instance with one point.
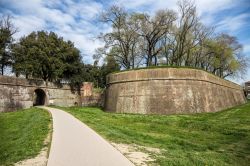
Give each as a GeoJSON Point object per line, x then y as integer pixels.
{"type": "Point", "coordinates": [221, 138]}
{"type": "Point", "coordinates": [22, 134]}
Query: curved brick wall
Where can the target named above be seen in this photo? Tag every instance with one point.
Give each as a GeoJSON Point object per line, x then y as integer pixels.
{"type": "Point", "coordinates": [170, 91]}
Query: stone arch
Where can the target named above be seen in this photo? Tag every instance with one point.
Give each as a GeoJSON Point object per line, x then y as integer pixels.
{"type": "Point", "coordinates": [39, 97]}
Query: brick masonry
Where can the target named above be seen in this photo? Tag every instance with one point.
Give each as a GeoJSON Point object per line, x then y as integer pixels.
{"type": "Point", "coordinates": [170, 91]}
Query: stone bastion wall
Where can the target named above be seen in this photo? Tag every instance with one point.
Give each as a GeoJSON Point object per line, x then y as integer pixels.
{"type": "Point", "coordinates": [18, 93]}
{"type": "Point", "coordinates": [170, 91]}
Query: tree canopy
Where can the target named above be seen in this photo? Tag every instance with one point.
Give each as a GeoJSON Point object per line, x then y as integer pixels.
{"type": "Point", "coordinates": [45, 55]}
{"type": "Point", "coordinates": [97, 74]}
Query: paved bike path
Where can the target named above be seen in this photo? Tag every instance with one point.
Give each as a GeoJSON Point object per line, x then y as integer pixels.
{"type": "Point", "coordinates": [75, 144]}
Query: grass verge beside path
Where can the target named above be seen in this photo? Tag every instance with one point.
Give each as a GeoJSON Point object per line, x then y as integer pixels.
{"type": "Point", "coordinates": [221, 138]}
{"type": "Point", "coordinates": [22, 134]}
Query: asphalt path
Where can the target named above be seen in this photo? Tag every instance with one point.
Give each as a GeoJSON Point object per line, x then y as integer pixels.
{"type": "Point", "coordinates": [75, 144]}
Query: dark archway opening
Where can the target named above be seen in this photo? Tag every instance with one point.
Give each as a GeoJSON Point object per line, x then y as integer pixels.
{"type": "Point", "coordinates": [39, 97]}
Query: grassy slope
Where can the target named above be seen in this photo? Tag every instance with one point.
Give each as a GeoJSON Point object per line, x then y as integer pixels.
{"type": "Point", "coordinates": [22, 134]}
{"type": "Point", "coordinates": [221, 138]}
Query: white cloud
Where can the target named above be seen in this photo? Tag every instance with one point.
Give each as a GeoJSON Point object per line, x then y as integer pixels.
{"type": "Point", "coordinates": [233, 23]}
{"type": "Point", "coordinates": [28, 24]}
{"type": "Point", "coordinates": [246, 48]}
{"type": "Point", "coordinates": [27, 6]}
{"type": "Point", "coordinates": [212, 6]}
{"type": "Point", "coordinates": [76, 20]}
{"type": "Point", "coordinates": [132, 4]}
{"type": "Point", "coordinates": [203, 6]}
{"type": "Point", "coordinates": [86, 11]}
{"type": "Point", "coordinates": [69, 19]}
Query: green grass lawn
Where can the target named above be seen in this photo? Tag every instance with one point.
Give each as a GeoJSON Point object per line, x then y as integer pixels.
{"type": "Point", "coordinates": [221, 138]}
{"type": "Point", "coordinates": [22, 134]}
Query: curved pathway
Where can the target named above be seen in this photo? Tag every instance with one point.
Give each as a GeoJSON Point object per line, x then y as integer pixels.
{"type": "Point", "coordinates": [75, 144]}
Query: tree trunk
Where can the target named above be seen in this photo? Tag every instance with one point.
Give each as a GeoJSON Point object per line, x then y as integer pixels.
{"type": "Point", "coordinates": [155, 60]}
{"type": "Point", "coordinates": [2, 71]}
{"type": "Point", "coordinates": [149, 63]}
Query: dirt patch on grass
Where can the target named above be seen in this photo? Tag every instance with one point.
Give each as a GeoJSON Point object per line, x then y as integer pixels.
{"type": "Point", "coordinates": [39, 160]}
{"type": "Point", "coordinates": [139, 155]}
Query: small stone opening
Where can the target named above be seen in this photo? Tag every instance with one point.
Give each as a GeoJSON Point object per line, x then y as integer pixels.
{"type": "Point", "coordinates": [39, 97]}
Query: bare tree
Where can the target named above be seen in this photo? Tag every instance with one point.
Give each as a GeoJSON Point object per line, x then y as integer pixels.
{"type": "Point", "coordinates": [175, 39]}
{"type": "Point", "coordinates": [184, 31]}
{"type": "Point", "coordinates": [121, 41]}
{"type": "Point", "coordinates": [7, 30]}
{"type": "Point", "coordinates": [153, 31]}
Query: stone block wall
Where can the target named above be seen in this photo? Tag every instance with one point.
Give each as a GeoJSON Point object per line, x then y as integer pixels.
{"type": "Point", "coordinates": [170, 91]}
{"type": "Point", "coordinates": [15, 93]}
{"type": "Point", "coordinates": [19, 93]}
{"type": "Point", "coordinates": [91, 97]}
{"type": "Point", "coordinates": [96, 99]}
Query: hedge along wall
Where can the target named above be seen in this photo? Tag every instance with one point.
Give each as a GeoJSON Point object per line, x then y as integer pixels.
{"type": "Point", "coordinates": [170, 91]}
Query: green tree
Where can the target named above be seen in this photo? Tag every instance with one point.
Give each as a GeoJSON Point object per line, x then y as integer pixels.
{"type": "Point", "coordinates": [45, 55]}
{"type": "Point", "coordinates": [97, 74]}
{"type": "Point", "coordinates": [227, 58]}
{"type": "Point", "coordinates": [7, 30]}
{"type": "Point", "coordinates": [108, 67]}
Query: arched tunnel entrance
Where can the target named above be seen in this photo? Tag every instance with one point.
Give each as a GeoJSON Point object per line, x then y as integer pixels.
{"type": "Point", "coordinates": [39, 97]}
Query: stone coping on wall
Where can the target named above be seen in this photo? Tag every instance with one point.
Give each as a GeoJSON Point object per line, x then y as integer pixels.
{"type": "Point", "coordinates": [16, 81]}
{"type": "Point", "coordinates": [169, 74]}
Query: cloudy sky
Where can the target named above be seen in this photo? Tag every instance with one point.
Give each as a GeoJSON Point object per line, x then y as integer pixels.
{"type": "Point", "coordinates": [77, 20]}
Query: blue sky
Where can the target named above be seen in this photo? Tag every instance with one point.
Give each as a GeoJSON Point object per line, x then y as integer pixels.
{"type": "Point", "coordinates": [77, 20]}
